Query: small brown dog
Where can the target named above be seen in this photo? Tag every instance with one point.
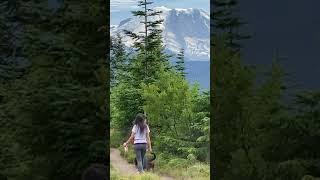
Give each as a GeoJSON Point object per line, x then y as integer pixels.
{"type": "Point", "coordinates": [150, 162]}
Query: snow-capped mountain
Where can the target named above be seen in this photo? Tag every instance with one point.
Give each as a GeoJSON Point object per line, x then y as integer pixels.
{"type": "Point", "coordinates": [182, 28]}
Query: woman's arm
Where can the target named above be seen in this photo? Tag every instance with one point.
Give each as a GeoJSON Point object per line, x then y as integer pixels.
{"type": "Point", "coordinates": [130, 139]}
{"type": "Point", "coordinates": [149, 141]}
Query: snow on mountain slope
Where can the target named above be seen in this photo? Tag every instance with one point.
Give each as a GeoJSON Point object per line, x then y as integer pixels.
{"type": "Point", "coordinates": [182, 28]}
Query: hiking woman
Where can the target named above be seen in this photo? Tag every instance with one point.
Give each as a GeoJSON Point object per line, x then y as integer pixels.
{"type": "Point", "coordinates": [140, 135]}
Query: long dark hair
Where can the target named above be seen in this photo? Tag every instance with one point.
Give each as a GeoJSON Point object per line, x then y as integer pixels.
{"type": "Point", "coordinates": [139, 121]}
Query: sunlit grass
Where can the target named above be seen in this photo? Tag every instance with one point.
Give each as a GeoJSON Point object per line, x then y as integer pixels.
{"type": "Point", "coordinates": [175, 167]}
{"type": "Point", "coordinates": [114, 175]}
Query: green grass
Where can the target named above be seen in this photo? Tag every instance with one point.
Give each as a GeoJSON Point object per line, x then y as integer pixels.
{"type": "Point", "coordinates": [182, 168]}
{"type": "Point", "coordinates": [145, 176]}
{"type": "Point", "coordinates": [170, 165]}
{"type": "Point", "coordinates": [114, 175]}
{"type": "Point", "coordinates": [178, 168]}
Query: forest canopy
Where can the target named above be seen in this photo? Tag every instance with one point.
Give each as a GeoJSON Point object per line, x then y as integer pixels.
{"type": "Point", "coordinates": [256, 132]}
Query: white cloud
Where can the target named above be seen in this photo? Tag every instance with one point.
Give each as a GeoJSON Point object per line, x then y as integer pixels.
{"type": "Point", "coordinates": [134, 7]}
{"type": "Point", "coordinates": [123, 2]}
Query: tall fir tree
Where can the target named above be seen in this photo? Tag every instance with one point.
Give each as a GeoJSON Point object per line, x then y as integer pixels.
{"type": "Point", "coordinates": [224, 67]}
{"type": "Point", "coordinates": [226, 22]}
{"type": "Point", "coordinates": [149, 56]}
{"type": "Point", "coordinates": [148, 43]}
{"type": "Point", "coordinates": [118, 60]}
{"type": "Point", "coordinates": [180, 63]}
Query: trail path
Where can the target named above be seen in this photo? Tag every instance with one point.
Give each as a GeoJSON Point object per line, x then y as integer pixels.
{"type": "Point", "coordinates": [123, 167]}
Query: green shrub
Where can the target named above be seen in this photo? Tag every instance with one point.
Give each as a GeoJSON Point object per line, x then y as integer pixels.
{"type": "Point", "coordinates": [191, 157]}
{"type": "Point", "coordinates": [178, 163]}
{"type": "Point", "coordinates": [130, 155]}
{"type": "Point", "coordinates": [292, 169]}
{"type": "Point", "coordinates": [198, 170]}
{"type": "Point", "coordinates": [116, 139]}
{"type": "Point", "coordinates": [181, 168]}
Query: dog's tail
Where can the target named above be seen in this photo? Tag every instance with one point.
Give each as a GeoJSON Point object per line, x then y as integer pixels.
{"type": "Point", "coordinates": [154, 156]}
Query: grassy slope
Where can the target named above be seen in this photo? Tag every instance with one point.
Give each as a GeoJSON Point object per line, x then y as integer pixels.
{"type": "Point", "coordinates": [175, 167]}
{"type": "Point", "coordinates": [114, 175]}
{"type": "Point", "coordinates": [165, 164]}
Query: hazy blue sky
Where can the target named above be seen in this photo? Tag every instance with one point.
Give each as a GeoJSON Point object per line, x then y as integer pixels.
{"type": "Point", "coordinates": [121, 9]}
{"type": "Point", "coordinates": [292, 27]}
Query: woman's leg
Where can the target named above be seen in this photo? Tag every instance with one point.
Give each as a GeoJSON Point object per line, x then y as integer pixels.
{"type": "Point", "coordinates": [145, 163]}
{"type": "Point", "coordinates": [144, 158]}
{"type": "Point", "coordinates": [138, 149]}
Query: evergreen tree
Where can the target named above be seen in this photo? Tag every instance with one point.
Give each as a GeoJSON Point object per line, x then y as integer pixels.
{"type": "Point", "coordinates": [180, 64]}
{"type": "Point", "coordinates": [233, 97]}
{"type": "Point", "coordinates": [148, 44]}
{"type": "Point", "coordinates": [230, 81]}
{"type": "Point", "coordinates": [55, 114]}
{"type": "Point", "coordinates": [177, 115]}
{"type": "Point", "coordinates": [226, 22]}
{"type": "Point", "coordinates": [254, 126]}
{"type": "Point", "coordinates": [143, 66]}
{"type": "Point", "coordinates": [253, 123]}
{"type": "Point", "coordinates": [118, 60]}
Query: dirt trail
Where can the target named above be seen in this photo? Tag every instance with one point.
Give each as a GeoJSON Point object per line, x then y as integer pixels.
{"type": "Point", "coordinates": [123, 167]}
